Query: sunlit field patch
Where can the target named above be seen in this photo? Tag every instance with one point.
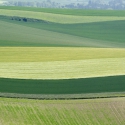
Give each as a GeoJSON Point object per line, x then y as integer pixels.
{"type": "Point", "coordinates": [61, 63]}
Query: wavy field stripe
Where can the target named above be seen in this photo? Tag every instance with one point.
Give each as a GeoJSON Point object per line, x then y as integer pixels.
{"type": "Point", "coordinates": [63, 69]}
{"type": "Point", "coordinates": [63, 88]}
{"type": "Point", "coordinates": [46, 54]}
{"type": "Point", "coordinates": [17, 35]}
{"type": "Point", "coordinates": [58, 18]}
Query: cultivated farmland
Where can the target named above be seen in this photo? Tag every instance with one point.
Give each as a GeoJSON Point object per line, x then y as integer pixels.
{"type": "Point", "coordinates": [58, 18]}
{"type": "Point", "coordinates": [62, 54]}
{"type": "Point", "coordinates": [82, 67]}
{"type": "Point", "coordinates": [56, 46]}
{"type": "Point", "coordinates": [62, 112]}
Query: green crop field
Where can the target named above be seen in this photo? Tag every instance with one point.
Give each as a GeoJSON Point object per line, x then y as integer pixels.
{"type": "Point", "coordinates": [73, 64]}
{"type": "Point", "coordinates": [58, 18]}
{"type": "Point", "coordinates": [62, 54]}
{"type": "Point", "coordinates": [17, 35]}
{"type": "Point", "coordinates": [69, 47]}
{"type": "Point", "coordinates": [62, 112]}
{"type": "Point", "coordinates": [37, 63]}
{"type": "Point", "coordinates": [63, 69]}
{"type": "Point", "coordinates": [54, 89]}
{"type": "Point", "coordinates": [108, 34]}
{"type": "Point", "coordinates": [46, 52]}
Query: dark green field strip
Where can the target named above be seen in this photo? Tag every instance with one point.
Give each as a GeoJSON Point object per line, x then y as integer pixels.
{"type": "Point", "coordinates": [16, 35]}
{"type": "Point", "coordinates": [112, 31]}
{"type": "Point", "coordinates": [77, 12]}
{"type": "Point", "coordinates": [71, 86]}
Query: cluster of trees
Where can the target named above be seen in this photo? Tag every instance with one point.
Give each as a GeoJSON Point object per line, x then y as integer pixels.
{"type": "Point", "coordinates": [23, 19]}
{"type": "Point", "coordinates": [96, 4]}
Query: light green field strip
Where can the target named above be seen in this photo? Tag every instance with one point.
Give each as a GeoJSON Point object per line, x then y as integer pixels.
{"type": "Point", "coordinates": [58, 18]}
{"type": "Point", "coordinates": [62, 112]}
{"type": "Point", "coordinates": [60, 62]}
{"type": "Point", "coordinates": [63, 69]}
{"type": "Point", "coordinates": [45, 54]}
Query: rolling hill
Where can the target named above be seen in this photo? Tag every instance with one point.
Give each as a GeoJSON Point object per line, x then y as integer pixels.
{"type": "Point", "coordinates": [73, 61]}
{"type": "Point", "coordinates": [61, 45]}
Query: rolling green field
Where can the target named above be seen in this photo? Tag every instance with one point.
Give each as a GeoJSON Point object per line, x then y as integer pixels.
{"type": "Point", "coordinates": [60, 63]}
{"type": "Point", "coordinates": [100, 34]}
{"type": "Point", "coordinates": [74, 64]}
{"type": "Point", "coordinates": [67, 47]}
{"type": "Point", "coordinates": [54, 89]}
{"type": "Point", "coordinates": [62, 112]}
{"type": "Point", "coordinates": [27, 36]}
{"type": "Point", "coordinates": [58, 18]}
{"type": "Point", "coordinates": [62, 54]}
{"type": "Point", "coordinates": [46, 54]}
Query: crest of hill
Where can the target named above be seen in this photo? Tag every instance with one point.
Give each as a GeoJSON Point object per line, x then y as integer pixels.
{"type": "Point", "coordinates": [63, 16]}
{"type": "Point", "coordinates": [61, 29]}
{"type": "Point", "coordinates": [18, 35]}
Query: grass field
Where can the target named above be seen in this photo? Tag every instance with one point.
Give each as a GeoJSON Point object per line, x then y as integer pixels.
{"type": "Point", "coordinates": [61, 63]}
{"type": "Point", "coordinates": [62, 54]}
{"type": "Point", "coordinates": [63, 69]}
{"type": "Point", "coordinates": [16, 35]}
{"type": "Point", "coordinates": [63, 47]}
{"type": "Point", "coordinates": [49, 63]}
{"type": "Point", "coordinates": [109, 31]}
{"type": "Point", "coordinates": [58, 18]}
{"type": "Point", "coordinates": [70, 86]}
{"type": "Point", "coordinates": [108, 34]}
{"type": "Point", "coordinates": [65, 112]}
{"type": "Point", "coordinates": [46, 54]}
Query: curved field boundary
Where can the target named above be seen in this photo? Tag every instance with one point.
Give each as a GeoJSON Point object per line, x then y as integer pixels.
{"type": "Point", "coordinates": [71, 86]}
{"type": "Point", "coordinates": [58, 18]}
{"type": "Point", "coordinates": [27, 36]}
{"type": "Point", "coordinates": [60, 62]}
{"type": "Point", "coordinates": [108, 34]}
{"type": "Point", "coordinates": [63, 69]}
{"type": "Point", "coordinates": [64, 96]}
{"type": "Point", "coordinates": [46, 54]}
{"type": "Point", "coordinates": [76, 12]}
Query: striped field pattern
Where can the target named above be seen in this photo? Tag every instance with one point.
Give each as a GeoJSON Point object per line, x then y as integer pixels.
{"type": "Point", "coordinates": [63, 112]}
{"type": "Point", "coordinates": [60, 63]}
{"type": "Point", "coordinates": [59, 18]}
{"type": "Point", "coordinates": [70, 47]}
{"type": "Point", "coordinates": [74, 60]}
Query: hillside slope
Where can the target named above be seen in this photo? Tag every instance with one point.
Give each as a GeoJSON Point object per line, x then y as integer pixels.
{"type": "Point", "coordinates": [61, 27]}
{"type": "Point", "coordinates": [17, 35]}
{"type": "Point", "coordinates": [61, 53]}
{"type": "Point", "coordinates": [62, 112]}
{"type": "Point", "coordinates": [58, 18]}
